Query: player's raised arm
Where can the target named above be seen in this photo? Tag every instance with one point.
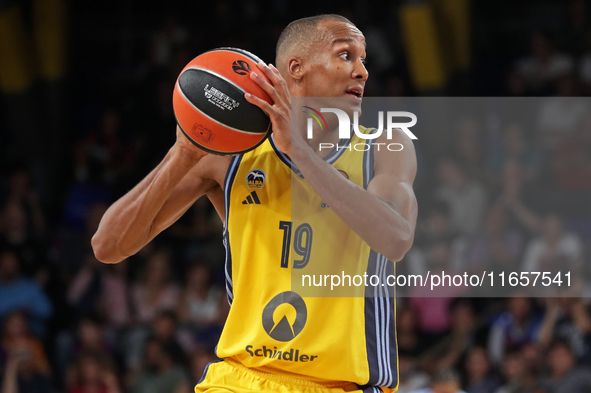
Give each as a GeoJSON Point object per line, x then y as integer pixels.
{"type": "Point", "coordinates": [385, 214]}
{"type": "Point", "coordinates": [184, 174]}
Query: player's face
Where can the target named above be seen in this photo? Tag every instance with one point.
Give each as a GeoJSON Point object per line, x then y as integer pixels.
{"type": "Point", "coordinates": [336, 68]}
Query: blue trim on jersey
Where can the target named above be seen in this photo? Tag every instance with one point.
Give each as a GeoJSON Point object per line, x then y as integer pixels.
{"type": "Point", "coordinates": [368, 162]}
{"type": "Point", "coordinates": [284, 157]}
{"type": "Point", "coordinates": [330, 158]}
{"type": "Point", "coordinates": [207, 369]}
{"type": "Point", "coordinates": [380, 315]}
{"type": "Point", "coordinates": [228, 182]}
{"type": "Point", "coordinates": [380, 325]}
{"type": "Point", "coordinates": [370, 324]}
{"type": "Point", "coordinates": [370, 389]}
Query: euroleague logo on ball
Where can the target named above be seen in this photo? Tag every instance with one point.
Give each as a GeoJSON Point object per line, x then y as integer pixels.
{"type": "Point", "coordinates": [240, 67]}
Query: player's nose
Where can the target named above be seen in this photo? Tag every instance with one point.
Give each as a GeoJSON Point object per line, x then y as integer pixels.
{"type": "Point", "coordinates": [360, 72]}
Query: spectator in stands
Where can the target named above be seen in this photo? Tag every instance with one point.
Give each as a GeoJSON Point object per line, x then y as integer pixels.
{"type": "Point", "coordinates": [71, 246]}
{"type": "Point", "coordinates": [565, 376]}
{"type": "Point", "coordinates": [20, 190]}
{"type": "Point", "coordinates": [17, 339]}
{"type": "Point", "coordinates": [575, 29]}
{"type": "Point", "coordinates": [18, 234]}
{"type": "Point", "coordinates": [160, 373]}
{"type": "Point", "coordinates": [517, 85]}
{"type": "Point", "coordinates": [446, 381]}
{"type": "Point", "coordinates": [558, 118]}
{"type": "Point", "coordinates": [203, 306]}
{"type": "Point", "coordinates": [21, 375]}
{"type": "Point", "coordinates": [498, 247]}
{"type": "Point", "coordinates": [411, 378]}
{"type": "Point", "coordinates": [543, 66]}
{"type": "Point", "coordinates": [198, 233]}
{"type": "Point", "coordinates": [104, 154]}
{"type": "Point", "coordinates": [584, 70]}
{"type": "Point", "coordinates": [432, 305]}
{"type": "Point", "coordinates": [432, 228]}
{"type": "Point", "coordinates": [89, 337]}
{"type": "Point", "coordinates": [466, 199]}
{"type": "Point", "coordinates": [171, 34]}
{"type": "Point", "coordinates": [164, 328]}
{"type": "Point", "coordinates": [479, 375]}
{"type": "Point", "coordinates": [435, 226]}
{"type": "Point", "coordinates": [156, 291]}
{"type": "Point", "coordinates": [514, 374]}
{"type": "Point", "coordinates": [468, 148]}
{"type": "Point", "coordinates": [571, 162]}
{"type": "Point", "coordinates": [18, 292]}
{"type": "Point", "coordinates": [464, 334]}
{"type": "Point", "coordinates": [518, 198]}
{"type": "Point", "coordinates": [555, 249]}
{"type": "Point", "coordinates": [200, 225]}
{"type": "Point", "coordinates": [408, 334]}
{"type": "Point", "coordinates": [568, 319]}
{"type": "Point", "coordinates": [517, 326]}
{"type": "Point", "coordinates": [514, 146]}
{"type": "Point", "coordinates": [92, 373]}
{"type": "Point", "coordinates": [101, 290]}
{"type": "Point", "coordinates": [534, 362]}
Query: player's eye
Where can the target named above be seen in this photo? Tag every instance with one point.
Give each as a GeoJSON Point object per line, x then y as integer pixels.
{"type": "Point", "coordinates": [345, 55]}
{"type": "Point", "coordinates": [364, 61]}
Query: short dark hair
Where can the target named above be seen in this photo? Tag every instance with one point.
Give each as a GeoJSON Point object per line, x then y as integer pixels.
{"type": "Point", "coordinates": [302, 30]}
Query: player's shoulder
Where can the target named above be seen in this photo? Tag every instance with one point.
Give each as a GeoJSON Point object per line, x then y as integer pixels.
{"type": "Point", "coordinates": [394, 153]}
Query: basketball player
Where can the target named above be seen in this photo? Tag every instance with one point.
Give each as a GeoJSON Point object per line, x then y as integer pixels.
{"type": "Point", "coordinates": [274, 339]}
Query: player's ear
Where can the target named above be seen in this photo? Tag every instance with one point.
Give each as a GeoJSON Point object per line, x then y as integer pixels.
{"type": "Point", "coordinates": [294, 68]}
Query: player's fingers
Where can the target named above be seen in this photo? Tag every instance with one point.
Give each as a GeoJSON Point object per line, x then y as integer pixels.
{"type": "Point", "coordinates": [264, 105]}
{"type": "Point", "coordinates": [282, 84]}
{"type": "Point", "coordinates": [266, 86]}
{"type": "Point", "coordinates": [274, 69]}
{"type": "Point", "coordinates": [274, 76]}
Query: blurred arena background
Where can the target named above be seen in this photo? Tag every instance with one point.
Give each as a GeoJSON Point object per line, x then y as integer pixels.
{"type": "Point", "coordinates": [85, 90]}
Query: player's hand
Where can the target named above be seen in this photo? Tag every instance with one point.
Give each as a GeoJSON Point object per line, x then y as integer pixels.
{"type": "Point", "coordinates": [187, 146]}
{"type": "Point", "coordinates": [280, 111]}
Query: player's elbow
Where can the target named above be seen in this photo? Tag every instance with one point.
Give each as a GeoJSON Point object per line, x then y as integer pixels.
{"type": "Point", "coordinates": [104, 251]}
{"type": "Point", "coordinates": [397, 249]}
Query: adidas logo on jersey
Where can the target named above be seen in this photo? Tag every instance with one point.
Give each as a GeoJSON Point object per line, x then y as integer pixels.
{"type": "Point", "coordinates": [252, 199]}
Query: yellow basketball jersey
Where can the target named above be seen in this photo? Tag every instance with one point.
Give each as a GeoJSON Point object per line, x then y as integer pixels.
{"type": "Point", "coordinates": [279, 230]}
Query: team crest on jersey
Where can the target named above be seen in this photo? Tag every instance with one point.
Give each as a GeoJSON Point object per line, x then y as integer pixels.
{"type": "Point", "coordinates": [256, 178]}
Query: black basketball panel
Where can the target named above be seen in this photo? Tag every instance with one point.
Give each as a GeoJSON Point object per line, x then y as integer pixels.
{"type": "Point", "coordinates": [246, 53]}
{"type": "Point", "coordinates": [222, 101]}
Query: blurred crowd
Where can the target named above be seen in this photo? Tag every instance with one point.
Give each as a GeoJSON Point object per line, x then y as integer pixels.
{"type": "Point", "coordinates": [515, 196]}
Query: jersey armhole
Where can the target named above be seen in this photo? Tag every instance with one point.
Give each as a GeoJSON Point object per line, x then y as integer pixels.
{"type": "Point", "coordinates": [368, 162]}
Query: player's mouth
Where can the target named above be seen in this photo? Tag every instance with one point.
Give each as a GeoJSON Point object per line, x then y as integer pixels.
{"type": "Point", "coordinates": [356, 92]}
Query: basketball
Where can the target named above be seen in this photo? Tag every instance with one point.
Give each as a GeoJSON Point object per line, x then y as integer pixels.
{"type": "Point", "coordinates": [209, 103]}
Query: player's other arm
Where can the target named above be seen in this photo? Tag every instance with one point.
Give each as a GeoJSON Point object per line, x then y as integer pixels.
{"type": "Point", "coordinates": [385, 214]}
{"type": "Point", "coordinates": [155, 203]}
